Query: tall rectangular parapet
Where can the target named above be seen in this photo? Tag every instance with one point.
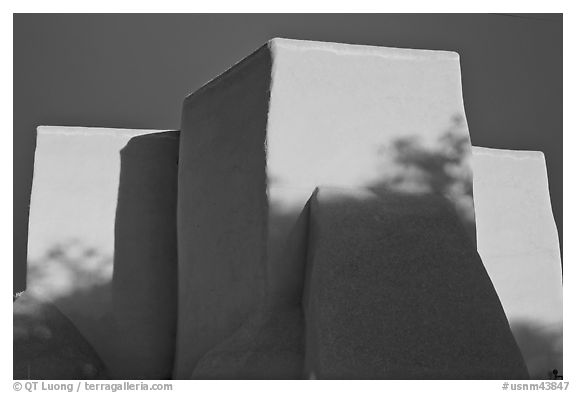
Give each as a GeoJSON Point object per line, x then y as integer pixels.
{"type": "Point", "coordinates": [102, 241]}
{"type": "Point", "coordinates": [257, 140]}
{"type": "Point", "coordinates": [518, 243]}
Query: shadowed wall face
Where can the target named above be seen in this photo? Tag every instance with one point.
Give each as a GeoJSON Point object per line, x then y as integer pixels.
{"type": "Point", "coordinates": [518, 243]}
{"type": "Point", "coordinates": [83, 197]}
{"type": "Point", "coordinates": [222, 208]}
{"type": "Point", "coordinates": [395, 290]}
{"type": "Point", "coordinates": [145, 258]}
{"type": "Point", "coordinates": [270, 343]}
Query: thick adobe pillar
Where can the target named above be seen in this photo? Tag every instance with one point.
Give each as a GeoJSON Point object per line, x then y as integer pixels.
{"type": "Point", "coordinates": [395, 290]}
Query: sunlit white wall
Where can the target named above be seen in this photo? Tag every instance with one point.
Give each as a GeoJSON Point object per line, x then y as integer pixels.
{"type": "Point", "coordinates": [518, 243]}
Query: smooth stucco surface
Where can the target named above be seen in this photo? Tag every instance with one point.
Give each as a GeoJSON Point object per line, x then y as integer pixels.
{"type": "Point", "coordinates": [102, 236]}
{"type": "Point", "coordinates": [361, 117]}
{"type": "Point", "coordinates": [222, 208]}
{"type": "Point", "coordinates": [395, 290]}
{"type": "Point", "coordinates": [518, 243]}
{"type": "Point", "coordinates": [259, 138]}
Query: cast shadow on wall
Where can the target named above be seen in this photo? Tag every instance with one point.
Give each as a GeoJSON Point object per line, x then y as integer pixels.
{"type": "Point", "coordinates": [48, 344]}
{"type": "Point", "coordinates": [271, 343]}
{"type": "Point", "coordinates": [123, 305]}
{"type": "Point", "coordinates": [442, 167]}
{"type": "Point", "coordinates": [541, 348]}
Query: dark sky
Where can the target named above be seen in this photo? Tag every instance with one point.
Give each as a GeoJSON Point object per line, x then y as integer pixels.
{"type": "Point", "coordinates": [134, 70]}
